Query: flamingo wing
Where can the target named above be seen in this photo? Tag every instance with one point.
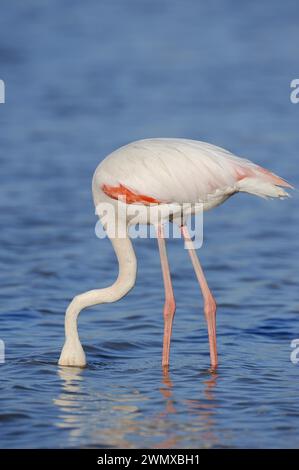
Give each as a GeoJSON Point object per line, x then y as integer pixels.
{"type": "Point", "coordinates": [181, 170]}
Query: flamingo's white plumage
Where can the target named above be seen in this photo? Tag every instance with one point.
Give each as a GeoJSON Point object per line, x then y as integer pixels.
{"type": "Point", "coordinates": [159, 173]}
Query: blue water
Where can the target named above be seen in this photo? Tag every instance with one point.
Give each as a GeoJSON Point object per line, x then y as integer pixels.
{"type": "Point", "coordinates": [83, 78]}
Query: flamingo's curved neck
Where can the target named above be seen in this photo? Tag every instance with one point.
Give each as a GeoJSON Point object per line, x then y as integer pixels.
{"type": "Point", "coordinates": [124, 282]}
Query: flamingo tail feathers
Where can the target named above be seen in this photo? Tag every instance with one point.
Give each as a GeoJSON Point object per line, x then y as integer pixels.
{"type": "Point", "coordinates": [263, 183]}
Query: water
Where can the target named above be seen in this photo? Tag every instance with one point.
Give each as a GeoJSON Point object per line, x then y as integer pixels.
{"type": "Point", "coordinates": [81, 80]}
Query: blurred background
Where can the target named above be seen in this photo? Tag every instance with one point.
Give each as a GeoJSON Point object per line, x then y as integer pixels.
{"type": "Point", "coordinates": [83, 78]}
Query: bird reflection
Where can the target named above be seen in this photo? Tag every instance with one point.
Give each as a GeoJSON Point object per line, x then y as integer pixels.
{"type": "Point", "coordinates": [121, 417]}
{"type": "Point", "coordinates": [95, 417]}
{"type": "Point", "coordinates": [201, 410]}
{"type": "Point", "coordinates": [166, 391]}
{"type": "Point", "coordinates": [204, 409]}
{"type": "Point", "coordinates": [69, 401]}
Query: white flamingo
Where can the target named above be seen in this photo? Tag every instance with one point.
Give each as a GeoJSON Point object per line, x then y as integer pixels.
{"type": "Point", "coordinates": [156, 173]}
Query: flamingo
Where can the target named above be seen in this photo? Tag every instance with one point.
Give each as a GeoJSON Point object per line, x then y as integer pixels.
{"type": "Point", "coordinates": [157, 173]}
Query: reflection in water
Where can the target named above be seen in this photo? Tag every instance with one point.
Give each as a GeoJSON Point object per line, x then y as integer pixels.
{"type": "Point", "coordinates": [98, 418]}
{"type": "Point", "coordinates": [69, 401]}
{"type": "Point", "coordinates": [205, 410]}
{"type": "Point", "coordinates": [166, 391]}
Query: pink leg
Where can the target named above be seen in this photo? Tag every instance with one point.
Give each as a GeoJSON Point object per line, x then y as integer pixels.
{"type": "Point", "coordinates": [169, 306]}
{"type": "Point", "coordinates": [209, 301]}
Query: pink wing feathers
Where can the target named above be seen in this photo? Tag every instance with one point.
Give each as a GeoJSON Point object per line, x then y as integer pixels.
{"type": "Point", "coordinates": [152, 171]}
